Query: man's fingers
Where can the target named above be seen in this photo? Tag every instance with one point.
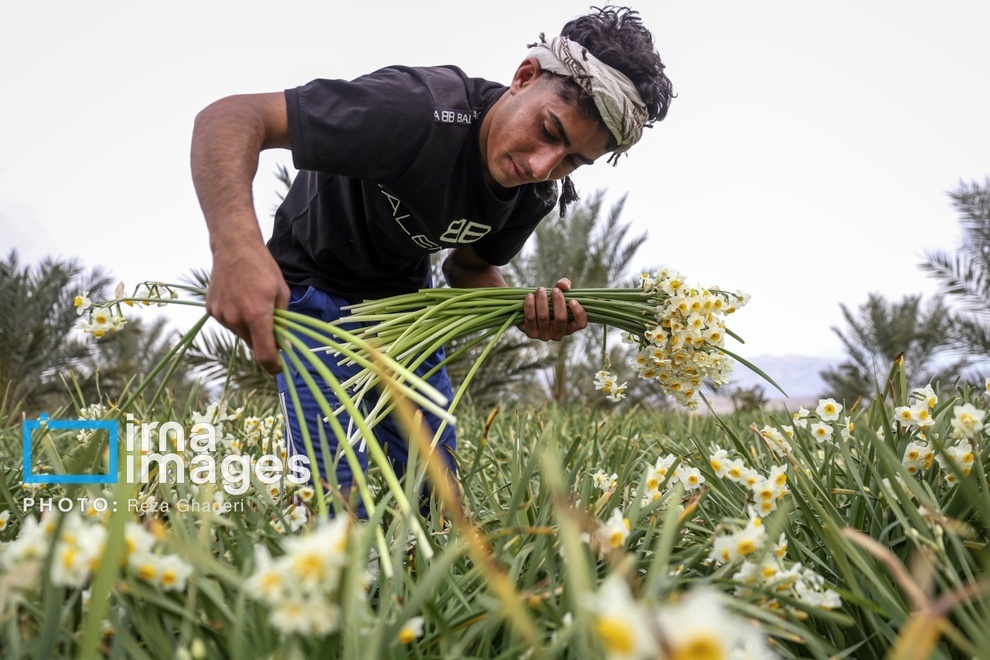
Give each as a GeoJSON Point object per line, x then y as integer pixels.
{"type": "Point", "coordinates": [579, 317]}
{"type": "Point", "coordinates": [560, 321]}
{"type": "Point", "coordinates": [257, 332]}
{"type": "Point", "coordinates": [266, 352]}
{"type": "Point", "coordinates": [260, 336]}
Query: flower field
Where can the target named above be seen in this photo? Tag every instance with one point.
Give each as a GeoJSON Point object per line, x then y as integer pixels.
{"type": "Point", "coordinates": [622, 534]}
{"type": "Point", "coordinates": [614, 532]}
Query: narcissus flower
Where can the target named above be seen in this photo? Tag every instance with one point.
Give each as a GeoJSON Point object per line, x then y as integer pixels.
{"type": "Point", "coordinates": [604, 481]}
{"type": "Point", "coordinates": [614, 532]}
{"type": "Point", "coordinates": [82, 303]}
{"type": "Point", "coordinates": [621, 625]}
{"type": "Point", "coordinates": [700, 626]}
{"type": "Point", "coordinates": [828, 410]}
{"type": "Point", "coordinates": [301, 587]}
{"type": "Point", "coordinates": [967, 421]}
{"type": "Point", "coordinates": [821, 431]}
{"type": "Point", "coordinates": [411, 630]}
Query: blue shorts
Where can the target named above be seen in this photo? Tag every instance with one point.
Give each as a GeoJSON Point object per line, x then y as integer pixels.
{"type": "Point", "coordinates": [326, 307]}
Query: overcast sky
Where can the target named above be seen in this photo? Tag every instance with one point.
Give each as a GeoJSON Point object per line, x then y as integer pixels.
{"type": "Point", "coordinates": [805, 161]}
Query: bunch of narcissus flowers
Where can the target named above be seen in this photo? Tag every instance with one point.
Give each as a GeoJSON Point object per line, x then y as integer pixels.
{"type": "Point", "coordinates": [680, 330]}
{"type": "Point", "coordinates": [683, 344]}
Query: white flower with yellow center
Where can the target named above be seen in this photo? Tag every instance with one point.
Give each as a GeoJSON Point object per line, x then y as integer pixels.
{"type": "Point", "coordinates": [923, 416]}
{"type": "Point", "coordinates": [690, 477]}
{"type": "Point", "coordinates": [916, 456]}
{"type": "Point", "coordinates": [77, 552]}
{"type": "Point", "coordinates": [926, 396]}
{"type": "Point", "coordinates": [967, 421]}
{"type": "Point", "coordinates": [778, 475]}
{"type": "Point", "coordinates": [605, 381]}
{"type": "Point", "coordinates": [776, 440]}
{"type": "Point", "coordinates": [411, 630]}
{"type": "Point", "coordinates": [270, 581]}
{"type": "Point", "coordinates": [828, 410]}
{"type": "Point", "coordinates": [137, 540]}
{"type": "Point", "coordinates": [961, 455]}
{"type": "Point", "coordinates": [621, 625]}
{"type": "Point", "coordinates": [311, 615]}
{"type": "Point", "coordinates": [700, 627]}
{"type": "Point", "coordinates": [821, 431]}
{"type": "Point", "coordinates": [173, 573]}
{"type": "Point", "coordinates": [801, 417]}
{"type": "Point", "coordinates": [750, 476]}
{"type": "Point", "coordinates": [82, 303]}
{"type": "Point", "coordinates": [735, 470]}
{"type": "Point", "coordinates": [765, 491]}
{"type": "Point", "coordinates": [905, 415]}
{"type": "Point", "coordinates": [604, 481]}
{"type": "Point", "coordinates": [296, 516]}
{"type": "Point", "coordinates": [719, 463]}
{"type": "Point", "coordinates": [614, 531]}
{"type": "Point", "coordinates": [618, 393]}
{"type": "Point", "coordinates": [662, 466]}
{"type": "Point", "coordinates": [780, 547]}
{"type": "Point", "coordinates": [741, 544]}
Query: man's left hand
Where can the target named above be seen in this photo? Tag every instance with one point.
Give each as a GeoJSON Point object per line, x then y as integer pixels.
{"type": "Point", "coordinates": [553, 324]}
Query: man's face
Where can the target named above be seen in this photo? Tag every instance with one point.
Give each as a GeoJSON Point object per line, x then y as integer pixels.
{"type": "Point", "coordinates": [533, 135]}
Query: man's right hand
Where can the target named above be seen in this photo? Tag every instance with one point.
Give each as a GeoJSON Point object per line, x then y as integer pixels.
{"type": "Point", "coordinates": [246, 286]}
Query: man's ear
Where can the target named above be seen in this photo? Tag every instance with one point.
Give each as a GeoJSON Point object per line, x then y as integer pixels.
{"type": "Point", "coordinates": [526, 74]}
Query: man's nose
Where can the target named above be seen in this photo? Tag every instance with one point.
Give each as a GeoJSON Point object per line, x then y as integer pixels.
{"type": "Point", "coordinates": [544, 162]}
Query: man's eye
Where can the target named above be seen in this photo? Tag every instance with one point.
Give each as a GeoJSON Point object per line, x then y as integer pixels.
{"type": "Point", "coordinates": [546, 131]}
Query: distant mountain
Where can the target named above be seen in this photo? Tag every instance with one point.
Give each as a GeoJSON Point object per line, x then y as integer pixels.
{"type": "Point", "coordinates": [798, 375]}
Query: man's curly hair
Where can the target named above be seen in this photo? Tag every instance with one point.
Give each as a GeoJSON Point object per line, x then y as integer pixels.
{"type": "Point", "coordinates": [617, 37]}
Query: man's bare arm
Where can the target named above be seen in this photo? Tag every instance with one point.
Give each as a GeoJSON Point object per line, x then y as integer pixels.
{"type": "Point", "coordinates": [246, 285]}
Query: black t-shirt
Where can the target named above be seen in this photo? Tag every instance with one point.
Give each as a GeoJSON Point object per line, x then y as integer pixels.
{"type": "Point", "coordinates": [389, 172]}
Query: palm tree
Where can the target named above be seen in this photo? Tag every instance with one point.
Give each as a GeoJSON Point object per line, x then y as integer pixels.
{"type": "Point", "coordinates": [120, 361]}
{"type": "Point", "coordinates": [37, 316]}
{"type": "Point", "coordinates": [45, 364]}
{"type": "Point", "coordinates": [966, 277]}
{"type": "Point", "coordinates": [880, 333]}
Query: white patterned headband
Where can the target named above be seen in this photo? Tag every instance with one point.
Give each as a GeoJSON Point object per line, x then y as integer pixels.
{"type": "Point", "coordinates": [616, 97]}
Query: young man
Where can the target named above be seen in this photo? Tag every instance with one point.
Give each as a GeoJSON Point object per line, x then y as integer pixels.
{"type": "Point", "coordinates": [405, 162]}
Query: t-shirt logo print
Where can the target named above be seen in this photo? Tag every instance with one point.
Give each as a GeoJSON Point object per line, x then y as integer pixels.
{"type": "Point", "coordinates": [464, 231]}
{"type": "Point", "coordinates": [457, 232]}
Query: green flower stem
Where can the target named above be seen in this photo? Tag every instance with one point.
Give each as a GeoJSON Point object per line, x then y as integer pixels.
{"type": "Point", "coordinates": [422, 346]}
{"type": "Point", "coordinates": [459, 394]}
{"type": "Point", "coordinates": [359, 354]}
{"type": "Point", "coordinates": [286, 350]}
{"type": "Point", "coordinates": [358, 472]}
{"type": "Point", "coordinates": [374, 448]}
{"type": "Point", "coordinates": [155, 301]}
